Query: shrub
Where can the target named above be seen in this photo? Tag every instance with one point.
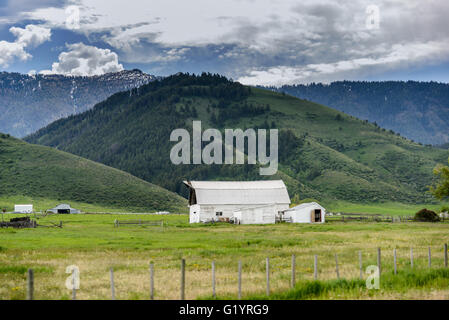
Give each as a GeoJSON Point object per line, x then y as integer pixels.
{"type": "Point", "coordinates": [444, 209]}
{"type": "Point", "coordinates": [426, 215]}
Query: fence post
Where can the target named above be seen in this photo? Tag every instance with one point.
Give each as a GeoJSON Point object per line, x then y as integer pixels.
{"type": "Point", "coordinates": [240, 281]}
{"type": "Point", "coordinates": [445, 255]}
{"type": "Point", "coordinates": [213, 279]}
{"type": "Point", "coordinates": [379, 260]}
{"type": "Point", "coordinates": [315, 267]}
{"type": "Point", "coordinates": [183, 278]}
{"type": "Point", "coordinates": [360, 265]}
{"type": "Point", "coordinates": [411, 257]}
{"type": "Point", "coordinates": [336, 266]}
{"type": "Point", "coordinates": [73, 285]}
{"type": "Point", "coordinates": [151, 281]}
{"type": "Point", "coordinates": [293, 279]}
{"type": "Point", "coordinates": [112, 284]}
{"type": "Point", "coordinates": [268, 276]}
{"type": "Point", "coordinates": [395, 265]}
{"type": "Point", "coordinates": [30, 285]}
{"type": "Point", "coordinates": [430, 259]}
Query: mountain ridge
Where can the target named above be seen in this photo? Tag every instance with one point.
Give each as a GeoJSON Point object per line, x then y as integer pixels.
{"type": "Point", "coordinates": [323, 153]}
{"type": "Point", "coordinates": [30, 102]}
{"type": "Point", "coordinates": [417, 110]}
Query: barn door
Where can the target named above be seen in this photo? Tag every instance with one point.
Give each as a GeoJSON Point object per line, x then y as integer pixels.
{"type": "Point", "coordinates": [317, 215]}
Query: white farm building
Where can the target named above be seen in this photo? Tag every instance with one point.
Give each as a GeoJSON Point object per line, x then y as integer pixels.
{"type": "Point", "coordinates": [23, 208]}
{"type": "Point", "coordinates": [246, 201]}
{"type": "Point", "coordinates": [63, 208]}
{"type": "Point", "coordinates": [310, 212]}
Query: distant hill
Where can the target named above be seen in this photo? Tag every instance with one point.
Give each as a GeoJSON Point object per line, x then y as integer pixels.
{"type": "Point", "coordinates": [43, 172]}
{"type": "Point", "coordinates": [417, 110]}
{"type": "Point", "coordinates": [324, 154]}
{"type": "Point", "coordinates": [28, 103]}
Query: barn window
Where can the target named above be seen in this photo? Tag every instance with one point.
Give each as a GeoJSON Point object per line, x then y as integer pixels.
{"type": "Point", "coordinates": [218, 213]}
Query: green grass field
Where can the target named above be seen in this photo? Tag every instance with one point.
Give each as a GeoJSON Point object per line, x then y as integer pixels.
{"type": "Point", "coordinates": [91, 242]}
{"type": "Point", "coordinates": [387, 208]}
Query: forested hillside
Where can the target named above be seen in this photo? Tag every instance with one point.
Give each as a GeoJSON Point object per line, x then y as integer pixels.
{"type": "Point", "coordinates": [417, 110]}
{"type": "Point", "coordinates": [324, 154]}
{"type": "Point", "coordinates": [30, 102]}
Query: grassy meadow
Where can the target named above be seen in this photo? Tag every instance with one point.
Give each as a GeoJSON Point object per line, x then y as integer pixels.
{"type": "Point", "coordinates": [91, 242]}
{"type": "Point", "coordinates": [387, 208]}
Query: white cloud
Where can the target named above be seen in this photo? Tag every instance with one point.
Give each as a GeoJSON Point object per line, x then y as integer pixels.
{"type": "Point", "coordinates": [11, 50]}
{"type": "Point", "coordinates": [30, 36]}
{"type": "Point", "coordinates": [398, 55]}
{"type": "Point", "coordinates": [289, 39]}
{"type": "Point", "coordinates": [84, 60]}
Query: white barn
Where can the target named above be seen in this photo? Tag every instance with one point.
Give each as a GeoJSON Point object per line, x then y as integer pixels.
{"type": "Point", "coordinates": [310, 212]}
{"type": "Point", "coordinates": [63, 208]}
{"type": "Point", "coordinates": [218, 200]}
{"type": "Point", "coordinates": [23, 208]}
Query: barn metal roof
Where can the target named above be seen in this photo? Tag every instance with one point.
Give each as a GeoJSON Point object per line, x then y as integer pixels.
{"type": "Point", "coordinates": [63, 206]}
{"type": "Point", "coordinates": [239, 192]}
{"type": "Point", "coordinates": [305, 205]}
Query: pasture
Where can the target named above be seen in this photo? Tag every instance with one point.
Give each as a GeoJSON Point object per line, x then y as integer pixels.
{"type": "Point", "coordinates": [91, 242]}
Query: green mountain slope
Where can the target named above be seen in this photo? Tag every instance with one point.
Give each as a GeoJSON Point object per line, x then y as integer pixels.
{"type": "Point", "coordinates": [42, 172]}
{"type": "Point", "coordinates": [323, 153]}
{"type": "Point", "coordinates": [417, 110]}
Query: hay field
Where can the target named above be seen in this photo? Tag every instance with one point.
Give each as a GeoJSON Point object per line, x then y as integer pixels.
{"type": "Point", "coordinates": [91, 242]}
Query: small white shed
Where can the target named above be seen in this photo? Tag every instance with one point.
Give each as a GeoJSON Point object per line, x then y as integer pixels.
{"type": "Point", "coordinates": [310, 212]}
{"type": "Point", "coordinates": [23, 208]}
{"type": "Point", "coordinates": [256, 215]}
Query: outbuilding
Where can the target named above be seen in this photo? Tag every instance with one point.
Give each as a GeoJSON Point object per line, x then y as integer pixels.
{"type": "Point", "coordinates": [310, 212]}
{"type": "Point", "coordinates": [63, 208]}
{"type": "Point", "coordinates": [218, 200]}
{"type": "Point", "coordinates": [23, 208]}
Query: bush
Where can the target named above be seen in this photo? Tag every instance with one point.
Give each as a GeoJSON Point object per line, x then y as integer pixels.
{"type": "Point", "coordinates": [444, 209]}
{"type": "Point", "coordinates": [426, 215]}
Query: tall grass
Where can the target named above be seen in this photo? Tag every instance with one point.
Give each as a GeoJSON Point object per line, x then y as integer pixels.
{"type": "Point", "coordinates": [403, 281]}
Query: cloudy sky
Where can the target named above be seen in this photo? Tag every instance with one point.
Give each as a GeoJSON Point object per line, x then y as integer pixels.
{"type": "Point", "coordinates": [266, 42]}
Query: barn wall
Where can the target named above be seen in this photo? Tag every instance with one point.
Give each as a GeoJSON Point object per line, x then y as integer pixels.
{"type": "Point", "coordinates": [304, 215]}
{"type": "Point", "coordinates": [23, 208]}
{"type": "Point", "coordinates": [194, 216]}
{"type": "Point", "coordinates": [257, 215]}
{"type": "Point", "coordinates": [208, 212]}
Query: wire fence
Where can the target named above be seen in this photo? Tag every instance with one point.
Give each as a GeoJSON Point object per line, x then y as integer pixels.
{"type": "Point", "coordinates": [386, 260]}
